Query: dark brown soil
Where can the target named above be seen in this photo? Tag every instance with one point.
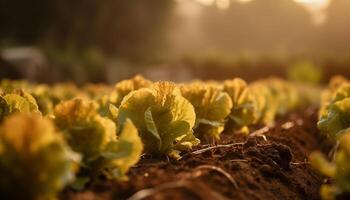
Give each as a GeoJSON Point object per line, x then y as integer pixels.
{"type": "Point", "coordinates": [247, 168]}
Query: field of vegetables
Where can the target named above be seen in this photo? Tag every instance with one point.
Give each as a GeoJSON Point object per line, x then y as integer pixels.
{"type": "Point", "coordinates": [139, 139]}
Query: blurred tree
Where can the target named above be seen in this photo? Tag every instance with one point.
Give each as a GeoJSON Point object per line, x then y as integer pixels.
{"type": "Point", "coordinates": [134, 28]}
{"type": "Point", "coordinates": [24, 22]}
{"type": "Point", "coordinates": [260, 25]}
{"type": "Point", "coordinates": [124, 28]}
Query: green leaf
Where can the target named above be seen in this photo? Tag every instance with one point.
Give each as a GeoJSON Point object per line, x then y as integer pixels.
{"type": "Point", "coordinates": [117, 150]}
{"type": "Point", "coordinates": [319, 162]}
{"type": "Point", "coordinates": [151, 126]}
{"type": "Point", "coordinates": [80, 183]}
{"type": "Point", "coordinates": [127, 150]}
{"type": "Point", "coordinates": [337, 119]}
{"type": "Point", "coordinates": [211, 123]}
{"type": "Point", "coordinates": [17, 102]}
{"type": "Point", "coordinates": [113, 111]}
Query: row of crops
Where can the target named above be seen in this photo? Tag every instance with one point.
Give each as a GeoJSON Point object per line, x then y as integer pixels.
{"type": "Point", "coordinates": [53, 137]}
{"type": "Point", "coordinates": [334, 122]}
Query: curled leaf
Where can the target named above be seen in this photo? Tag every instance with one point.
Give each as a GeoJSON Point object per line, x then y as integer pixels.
{"type": "Point", "coordinates": [126, 150]}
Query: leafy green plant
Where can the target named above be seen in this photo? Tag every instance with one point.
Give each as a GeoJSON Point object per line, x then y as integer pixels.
{"type": "Point", "coordinates": [334, 114]}
{"type": "Point", "coordinates": [95, 137]}
{"type": "Point", "coordinates": [337, 120]}
{"type": "Point", "coordinates": [163, 117]}
{"type": "Point", "coordinates": [9, 86]}
{"type": "Point", "coordinates": [65, 91]}
{"type": "Point", "coordinates": [305, 72]}
{"type": "Point", "coordinates": [338, 89]}
{"type": "Point", "coordinates": [17, 101]}
{"type": "Point", "coordinates": [35, 161]}
{"type": "Point", "coordinates": [285, 95]}
{"type": "Point", "coordinates": [264, 102]}
{"type": "Point", "coordinates": [334, 121]}
{"type": "Point", "coordinates": [124, 87]}
{"type": "Point", "coordinates": [338, 170]}
{"type": "Point", "coordinates": [41, 93]}
{"type": "Point", "coordinates": [211, 105]}
{"type": "Point", "coordinates": [242, 112]}
{"type": "Point", "coordinates": [106, 98]}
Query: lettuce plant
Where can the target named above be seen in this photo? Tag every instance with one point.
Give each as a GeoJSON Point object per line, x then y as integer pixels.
{"type": "Point", "coordinates": [106, 98]}
{"type": "Point", "coordinates": [35, 161]}
{"type": "Point", "coordinates": [243, 111]}
{"type": "Point", "coordinates": [211, 105]}
{"type": "Point", "coordinates": [328, 95]}
{"type": "Point", "coordinates": [332, 96]}
{"type": "Point", "coordinates": [9, 86]}
{"type": "Point", "coordinates": [273, 97]}
{"type": "Point", "coordinates": [95, 137]}
{"type": "Point", "coordinates": [124, 87]}
{"type": "Point", "coordinates": [337, 119]}
{"type": "Point", "coordinates": [95, 91]}
{"type": "Point", "coordinates": [285, 94]}
{"type": "Point", "coordinates": [338, 170]}
{"type": "Point", "coordinates": [17, 101]}
{"type": "Point", "coordinates": [264, 103]}
{"type": "Point", "coordinates": [41, 93]}
{"type": "Point", "coordinates": [163, 117]}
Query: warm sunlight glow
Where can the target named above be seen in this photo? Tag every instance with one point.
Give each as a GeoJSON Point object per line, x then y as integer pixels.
{"type": "Point", "coordinates": [243, 1]}
{"type": "Point", "coordinates": [206, 2]}
{"type": "Point", "coordinates": [316, 3]}
{"type": "Point", "coordinates": [316, 7]}
{"type": "Point", "coordinates": [313, 4]}
{"type": "Point", "coordinates": [223, 4]}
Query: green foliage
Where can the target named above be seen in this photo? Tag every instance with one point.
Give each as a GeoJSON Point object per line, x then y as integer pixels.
{"type": "Point", "coordinates": [35, 161]}
{"type": "Point", "coordinates": [111, 126]}
{"type": "Point", "coordinates": [337, 119]}
{"type": "Point", "coordinates": [242, 112]}
{"type": "Point", "coordinates": [211, 105]}
{"type": "Point", "coordinates": [305, 72]}
{"type": "Point", "coordinates": [264, 102]}
{"type": "Point", "coordinates": [42, 95]}
{"type": "Point", "coordinates": [124, 87]}
{"type": "Point", "coordinates": [95, 137]}
{"type": "Point", "coordinates": [339, 169]}
{"type": "Point", "coordinates": [284, 94]}
{"type": "Point", "coordinates": [329, 96]}
{"type": "Point", "coordinates": [17, 102]}
{"type": "Point", "coordinates": [272, 97]}
{"type": "Point", "coordinates": [334, 114]}
{"type": "Point", "coordinates": [163, 117]}
{"type": "Point", "coordinates": [334, 122]}
{"type": "Point", "coordinates": [8, 86]}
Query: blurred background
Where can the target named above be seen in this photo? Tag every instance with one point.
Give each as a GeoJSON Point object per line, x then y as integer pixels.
{"type": "Point", "coordinates": [109, 40]}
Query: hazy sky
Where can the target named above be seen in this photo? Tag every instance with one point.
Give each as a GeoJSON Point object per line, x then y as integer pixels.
{"type": "Point", "coordinates": [191, 38]}
{"type": "Point", "coordinates": [316, 7]}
